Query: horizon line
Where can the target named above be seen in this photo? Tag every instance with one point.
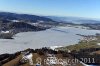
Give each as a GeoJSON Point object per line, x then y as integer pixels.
{"type": "Point", "coordinates": [50, 15]}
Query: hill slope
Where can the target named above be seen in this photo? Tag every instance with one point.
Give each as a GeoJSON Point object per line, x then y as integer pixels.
{"type": "Point", "coordinates": [15, 16]}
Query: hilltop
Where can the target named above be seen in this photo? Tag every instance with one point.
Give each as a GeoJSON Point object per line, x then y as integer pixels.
{"type": "Point", "coordinates": [44, 56]}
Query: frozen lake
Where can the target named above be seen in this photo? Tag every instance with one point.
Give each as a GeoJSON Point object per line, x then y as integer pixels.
{"type": "Point", "coordinates": [60, 36]}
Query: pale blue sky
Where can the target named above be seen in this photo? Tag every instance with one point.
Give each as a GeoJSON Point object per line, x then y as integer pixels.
{"type": "Point", "coordinates": [79, 8]}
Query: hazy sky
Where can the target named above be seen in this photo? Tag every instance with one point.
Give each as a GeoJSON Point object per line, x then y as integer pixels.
{"type": "Point", "coordinates": [80, 8]}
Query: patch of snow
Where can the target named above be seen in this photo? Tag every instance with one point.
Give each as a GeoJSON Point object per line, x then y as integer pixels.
{"type": "Point", "coordinates": [5, 31]}
{"type": "Point", "coordinates": [54, 47]}
{"type": "Point", "coordinates": [98, 44]}
{"type": "Point", "coordinates": [15, 21]}
{"type": "Point", "coordinates": [29, 58]}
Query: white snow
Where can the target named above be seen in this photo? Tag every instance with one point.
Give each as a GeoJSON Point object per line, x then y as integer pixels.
{"type": "Point", "coordinates": [98, 44]}
{"type": "Point", "coordinates": [15, 21]}
{"type": "Point", "coordinates": [59, 36]}
{"type": "Point", "coordinates": [5, 31]}
{"type": "Point", "coordinates": [28, 57]}
{"type": "Point", "coordinates": [53, 47]}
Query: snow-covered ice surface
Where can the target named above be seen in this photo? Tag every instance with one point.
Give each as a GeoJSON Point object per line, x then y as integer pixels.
{"type": "Point", "coordinates": [59, 36]}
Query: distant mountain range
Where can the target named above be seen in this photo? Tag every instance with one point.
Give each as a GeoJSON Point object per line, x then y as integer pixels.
{"type": "Point", "coordinates": [76, 20]}
{"type": "Point", "coordinates": [6, 16]}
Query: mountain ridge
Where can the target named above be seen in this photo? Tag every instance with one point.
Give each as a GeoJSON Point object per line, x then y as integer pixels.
{"type": "Point", "coordinates": [28, 17]}
{"type": "Point", "coordinates": [76, 20]}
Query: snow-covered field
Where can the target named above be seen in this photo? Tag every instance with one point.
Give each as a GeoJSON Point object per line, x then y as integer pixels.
{"type": "Point", "coordinates": [60, 36]}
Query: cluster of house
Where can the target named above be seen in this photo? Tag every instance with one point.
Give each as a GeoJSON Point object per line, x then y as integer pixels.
{"type": "Point", "coordinates": [89, 38]}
